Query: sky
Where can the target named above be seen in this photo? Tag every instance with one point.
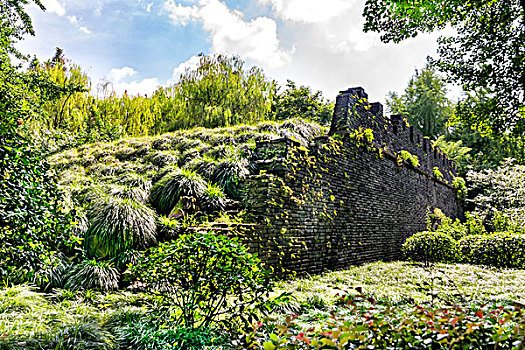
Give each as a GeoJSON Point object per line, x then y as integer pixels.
{"type": "Point", "coordinates": [138, 45]}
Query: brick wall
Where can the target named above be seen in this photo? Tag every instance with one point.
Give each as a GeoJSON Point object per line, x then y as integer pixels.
{"type": "Point", "coordinates": [341, 202]}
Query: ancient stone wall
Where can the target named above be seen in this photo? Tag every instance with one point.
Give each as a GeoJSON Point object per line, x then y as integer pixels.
{"type": "Point", "coordinates": [344, 200]}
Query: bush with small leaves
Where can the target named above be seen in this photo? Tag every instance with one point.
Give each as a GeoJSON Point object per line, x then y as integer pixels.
{"type": "Point", "coordinates": [501, 249]}
{"type": "Point", "coordinates": [430, 247]}
{"type": "Point", "coordinates": [365, 323]}
{"type": "Point", "coordinates": [205, 276]}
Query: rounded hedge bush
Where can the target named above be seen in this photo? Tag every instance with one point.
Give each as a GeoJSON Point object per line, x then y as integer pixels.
{"type": "Point", "coordinates": [430, 247]}
{"type": "Point", "coordinates": [501, 249]}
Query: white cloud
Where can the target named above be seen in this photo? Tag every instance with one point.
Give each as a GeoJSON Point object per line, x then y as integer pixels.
{"type": "Point", "coordinates": [117, 78]}
{"type": "Point", "coordinates": [116, 75]}
{"type": "Point", "coordinates": [73, 19]}
{"type": "Point", "coordinates": [54, 6]}
{"type": "Point", "coordinates": [84, 30]}
{"type": "Point", "coordinates": [180, 14]}
{"type": "Point", "coordinates": [190, 64]}
{"type": "Point", "coordinates": [309, 11]}
{"type": "Point", "coordinates": [133, 88]}
{"type": "Point", "coordinates": [148, 8]}
{"type": "Point", "coordinates": [254, 40]}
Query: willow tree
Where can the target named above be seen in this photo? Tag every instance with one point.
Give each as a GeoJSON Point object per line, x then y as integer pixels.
{"type": "Point", "coordinates": [220, 92]}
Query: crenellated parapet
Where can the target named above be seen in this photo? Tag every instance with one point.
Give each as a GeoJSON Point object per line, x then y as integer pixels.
{"type": "Point", "coordinates": [353, 111]}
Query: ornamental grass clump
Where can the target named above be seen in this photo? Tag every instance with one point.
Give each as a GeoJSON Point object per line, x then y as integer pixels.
{"type": "Point", "coordinates": [229, 173]}
{"type": "Point", "coordinates": [93, 274]}
{"type": "Point", "coordinates": [213, 199]}
{"type": "Point", "coordinates": [117, 225]}
{"type": "Point", "coordinates": [177, 183]}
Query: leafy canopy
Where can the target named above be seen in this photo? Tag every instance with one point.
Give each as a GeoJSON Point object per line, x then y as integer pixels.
{"type": "Point", "coordinates": [221, 92]}
{"type": "Point", "coordinates": [302, 102]}
{"type": "Point", "coordinates": [424, 103]}
{"type": "Point", "coordinates": [486, 57]}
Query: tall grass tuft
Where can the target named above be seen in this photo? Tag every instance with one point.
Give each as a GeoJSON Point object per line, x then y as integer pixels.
{"type": "Point", "coordinates": [178, 183]}
{"type": "Point", "coordinates": [203, 165]}
{"type": "Point", "coordinates": [213, 199]}
{"type": "Point", "coordinates": [118, 224]}
{"type": "Point", "coordinates": [229, 173]}
{"type": "Point", "coordinates": [135, 180]}
{"type": "Point", "coordinates": [93, 274]}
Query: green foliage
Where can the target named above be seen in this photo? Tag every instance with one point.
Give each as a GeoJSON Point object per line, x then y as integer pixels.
{"type": "Point", "coordinates": [205, 276]}
{"type": "Point", "coordinates": [430, 247]}
{"type": "Point", "coordinates": [301, 102]}
{"type": "Point", "coordinates": [30, 321]}
{"type": "Point", "coordinates": [220, 92]}
{"type": "Point", "coordinates": [364, 322]}
{"type": "Point", "coordinates": [407, 156]}
{"type": "Point", "coordinates": [213, 199]}
{"type": "Point", "coordinates": [470, 242]}
{"type": "Point", "coordinates": [485, 57]}
{"type": "Point", "coordinates": [154, 334]}
{"type": "Point", "coordinates": [228, 174]}
{"type": "Point", "coordinates": [15, 23]}
{"type": "Point", "coordinates": [455, 152]}
{"type": "Point", "coordinates": [178, 183]}
{"type": "Point", "coordinates": [32, 224]}
{"type": "Point", "coordinates": [424, 103]}
{"type": "Point", "coordinates": [116, 225]}
{"type": "Point", "coordinates": [461, 187]}
{"type": "Point", "coordinates": [92, 274]}
{"type": "Point", "coordinates": [501, 249]}
{"type": "Point", "coordinates": [437, 173]}
{"type": "Point", "coordinates": [500, 190]}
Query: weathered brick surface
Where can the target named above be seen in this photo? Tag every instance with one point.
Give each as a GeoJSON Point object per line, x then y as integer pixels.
{"type": "Point", "coordinates": [359, 207]}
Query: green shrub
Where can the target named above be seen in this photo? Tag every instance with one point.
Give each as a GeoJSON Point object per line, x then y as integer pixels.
{"type": "Point", "coordinates": [430, 247]}
{"type": "Point", "coordinates": [53, 276]}
{"type": "Point", "coordinates": [117, 225]}
{"type": "Point", "coordinates": [204, 276]}
{"type": "Point", "coordinates": [177, 183]}
{"type": "Point", "coordinates": [502, 249]}
{"type": "Point", "coordinates": [93, 274]}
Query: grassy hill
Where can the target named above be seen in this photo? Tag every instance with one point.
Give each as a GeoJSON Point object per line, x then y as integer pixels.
{"type": "Point", "coordinates": [119, 190]}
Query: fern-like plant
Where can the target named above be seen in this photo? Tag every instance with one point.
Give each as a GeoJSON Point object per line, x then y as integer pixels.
{"type": "Point", "coordinates": [93, 274]}
{"type": "Point", "coordinates": [178, 183]}
{"type": "Point", "coordinates": [117, 225]}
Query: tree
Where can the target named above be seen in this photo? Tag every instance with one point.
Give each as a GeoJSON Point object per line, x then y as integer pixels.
{"type": "Point", "coordinates": [487, 56]}
{"type": "Point", "coordinates": [32, 225]}
{"type": "Point", "coordinates": [220, 92]}
{"type": "Point", "coordinates": [302, 102]}
{"type": "Point", "coordinates": [424, 103]}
